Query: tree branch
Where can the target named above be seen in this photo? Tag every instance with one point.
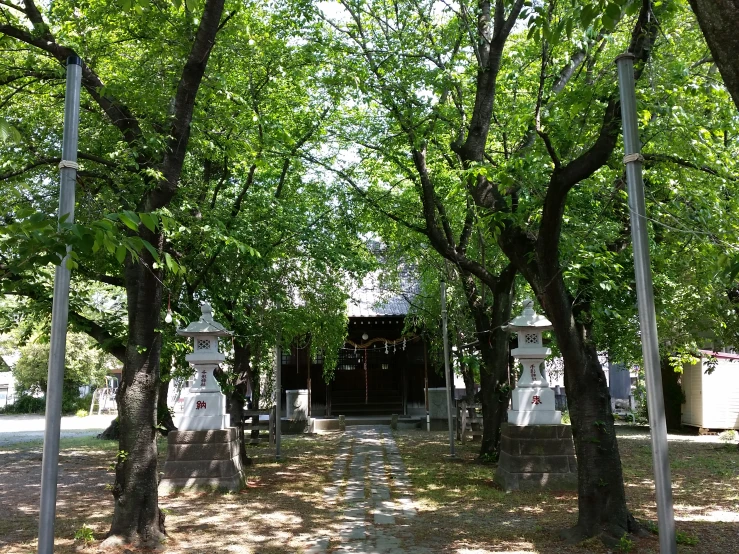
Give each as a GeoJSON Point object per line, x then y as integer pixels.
{"type": "Point", "coordinates": [184, 104]}
{"type": "Point", "coordinates": [562, 180]}
{"type": "Point", "coordinates": [110, 343]}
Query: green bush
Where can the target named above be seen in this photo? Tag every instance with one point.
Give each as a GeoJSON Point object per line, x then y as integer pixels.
{"type": "Point", "coordinates": [26, 404]}
{"type": "Point", "coordinates": [81, 413]}
{"type": "Point", "coordinates": [73, 403]}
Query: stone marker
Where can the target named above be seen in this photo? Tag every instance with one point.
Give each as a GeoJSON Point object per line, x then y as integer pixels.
{"type": "Point", "coordinates": [204, 452]}
{"type": "Point", "coordinates": [536, 450]}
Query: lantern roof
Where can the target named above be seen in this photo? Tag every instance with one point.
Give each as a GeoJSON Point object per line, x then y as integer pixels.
{"type": "Point", "coordinates": [205, 325]}
{"type": "Point", "coordinates": [529, 319]}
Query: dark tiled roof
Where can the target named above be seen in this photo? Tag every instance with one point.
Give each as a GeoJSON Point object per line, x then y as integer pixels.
{"type": "Point", "coordinates": [375, 302]}
{"type": "Point", "coordinates": [372, 300]}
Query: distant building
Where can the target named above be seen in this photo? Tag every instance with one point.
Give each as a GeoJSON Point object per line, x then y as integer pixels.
{"type": "Point", "coordinates": [380, 370]}
{"type": "Point", "coordinates": [711, 388]}
{"type": "Point", "coordinates": [7, 388]}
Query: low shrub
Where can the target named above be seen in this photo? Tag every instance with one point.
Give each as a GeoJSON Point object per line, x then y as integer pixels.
{"type": "Point", "coordinates": [26, 404]}
{"type": "Point", "coordinates": [73, 404]}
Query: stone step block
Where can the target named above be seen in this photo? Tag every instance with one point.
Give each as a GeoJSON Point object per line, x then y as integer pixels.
{"type": "Point", "coordinates": [535, 481]}
{"type": "Point", "coordinates": [210, 436]}
{"type": "Point", "coordinates": [537, 464]}
{"type": "Point", "coordinates": [180, 452]}
{"type": "Point", "coordinates": [535, 431]}
{"type": "Point", "coordinates": [537, 447]}
{"type": "Point", "coordinates": [218, 469]}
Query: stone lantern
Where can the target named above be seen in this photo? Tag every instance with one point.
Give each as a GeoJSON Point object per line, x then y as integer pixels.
{"type": "Point", "coordinates": [204, 453]}
{"type": "Point", "coordinates": [532, 401]}
{"type": "Point", "coordinates": [536, 450]}
{"type": "Point", "coordinates": [205, 408]}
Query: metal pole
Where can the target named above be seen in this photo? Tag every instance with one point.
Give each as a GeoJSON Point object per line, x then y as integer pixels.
{"type": "Point", "coordinates": [59, 313]}
{"type": "Point", "coordinates": [278, 393]}
{"type": "Point", "coordinates": [645, 299]}
{"type": "Point", "coordinates": [447, 374]}
{"type": "Point", "coordinates": [426, 383]}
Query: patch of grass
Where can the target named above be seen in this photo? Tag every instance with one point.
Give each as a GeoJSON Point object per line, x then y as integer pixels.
{"type": "Point", "coordinates": [84, 534]}
{"type": "Point", "coordinates": [625, 544]}
{"type": "Point", "coordinates": [281, 505]}
{"type": "Point", "coordinates": [685, 538]}
{"type": "Point", "coordinates": [85, 443]}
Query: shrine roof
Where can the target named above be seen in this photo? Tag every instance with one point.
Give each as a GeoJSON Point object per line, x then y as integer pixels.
{"type": "Point", "coordinates": [377, 303]}
{"type": "Point", "coordinates": [373, 299]}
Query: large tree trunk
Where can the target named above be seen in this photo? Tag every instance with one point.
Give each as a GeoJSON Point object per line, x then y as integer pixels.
{"type": "Point", "coordinates": [237, 396]}
{"type": "Point", "coordinates": [137, 518]}
{"type": "Point", "coordinates": [165, 423]}
{"type": "Point", "coordinates": [672, 392]}
{"type": "Point", "coordinates": [719, 21]}
{"type": "Point", "coordinates": [601, 498]}
{"type": "Point", "coordinates": [493, 338]}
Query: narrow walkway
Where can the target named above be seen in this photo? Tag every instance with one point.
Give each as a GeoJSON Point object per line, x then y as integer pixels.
{"type": "Point", "coordinates": [371, 496]}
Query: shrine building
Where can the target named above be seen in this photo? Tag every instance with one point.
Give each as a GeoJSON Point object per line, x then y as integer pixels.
{"type": "Point", "coordinates": [380, 370]}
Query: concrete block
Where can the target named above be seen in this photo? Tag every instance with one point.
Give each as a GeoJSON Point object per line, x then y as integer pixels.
{"type": "Point", "coordinates": [202, 437]}
{"type": "Point", "coordinates": [202, 468]}
{"type": "Point", "coordinates": [535, 481]}
{"type": "Point", "coordinates": [534, 464]}
{"type": "Point", "coordinates": [205, 484]}
{"type": "Point", "coordinates": [534, 447]}
{"type": "Point", "coordinates": [534, 417]}
{"type": "Point", "coordinates": [179, 452]}
{"type": "Point", "coordinates": [537, 457]}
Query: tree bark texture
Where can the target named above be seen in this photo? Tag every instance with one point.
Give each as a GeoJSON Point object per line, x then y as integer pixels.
{"type": "Point", "coordinates": [237, 397]}
{"type": "Point", "coordinates": [494, 352]}
{"type": "Point", "coordinates": [601, 498]}
{"type": "Point", "coordinates": [673, 394]}
{"type": "Point", "coordinates": [136, 517]}
{"type": "Point", "coordinates": [719, 22]}
{"type": "Point", "coordinates": [165, 423]}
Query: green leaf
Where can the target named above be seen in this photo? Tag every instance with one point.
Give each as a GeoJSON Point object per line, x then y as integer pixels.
{"type": "Point", "coordinates": [129, 219]}
{"type": "Point", "coordinates": [151, 249]}
{"type": "Point", "coordinates": [120, 254]}
{"type": "Point", "coordinates": [171, 264]}
{"type": "Point", "coordinates": [613, 11]}
{"type": "Point", "coordinates": [149, 221]}
{"type": "Point", "coordinates": [8, 133]}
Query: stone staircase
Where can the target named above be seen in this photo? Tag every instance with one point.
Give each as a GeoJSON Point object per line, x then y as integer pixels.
{"type": "Point", "coordinates": [351, 403]}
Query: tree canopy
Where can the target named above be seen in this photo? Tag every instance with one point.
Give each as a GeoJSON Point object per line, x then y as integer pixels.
{"type": "Point", "coordinates": [244, 154]}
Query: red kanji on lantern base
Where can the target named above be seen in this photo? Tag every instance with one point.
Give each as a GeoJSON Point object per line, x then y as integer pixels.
{"type": "Point", "coordinates": [200, 404]}
{"type": "Point", "coordinates": [536, 400]}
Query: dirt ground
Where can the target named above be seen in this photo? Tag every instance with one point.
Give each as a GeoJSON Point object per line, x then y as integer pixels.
{"type": "Point", "coordinates": [460, 510]}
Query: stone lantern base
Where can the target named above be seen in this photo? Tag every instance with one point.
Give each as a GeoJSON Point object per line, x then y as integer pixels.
{"type": "Point", "coordinates": [536, 457]}
{"type": "Point", "coordinates": [202, 460]}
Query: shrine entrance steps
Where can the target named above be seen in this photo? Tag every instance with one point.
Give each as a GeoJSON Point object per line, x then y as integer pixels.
{"type": "Point", "coordinates": [360, 402]}
{"type": "Point", "coordinates": [319, 424]}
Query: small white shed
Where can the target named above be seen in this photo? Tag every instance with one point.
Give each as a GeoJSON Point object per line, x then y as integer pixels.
{"type": "Point", "coordinates": [7, 388]}
{"type": "Point", "coordinates": [712, 400]}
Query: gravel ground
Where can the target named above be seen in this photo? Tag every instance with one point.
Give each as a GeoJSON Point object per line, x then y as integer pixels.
{"type": "Point", "coordinates": [30, 428]}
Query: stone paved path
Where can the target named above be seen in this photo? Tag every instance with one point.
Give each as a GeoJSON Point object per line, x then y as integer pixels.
{"type": "Point", "coordinates": [370, 496]}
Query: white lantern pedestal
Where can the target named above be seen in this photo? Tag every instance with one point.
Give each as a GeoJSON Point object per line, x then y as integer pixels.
{"type": "Point", "coordinates": [204, 453]}
{"type": "Point", "coordinates": [536, 450]}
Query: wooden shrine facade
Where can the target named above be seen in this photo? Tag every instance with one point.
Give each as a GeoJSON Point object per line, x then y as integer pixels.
{"type": "Point", "coordinates": [385, 373]}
